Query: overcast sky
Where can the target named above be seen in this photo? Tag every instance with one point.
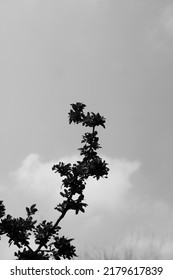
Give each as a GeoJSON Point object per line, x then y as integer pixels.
{"type": "Point", "coordinates": [116, 56]}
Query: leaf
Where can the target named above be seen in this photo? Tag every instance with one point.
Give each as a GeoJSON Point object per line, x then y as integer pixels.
{"type": "Point", "coordinates": [2, 209]}
{"type": "Point", "coordinates": [62, 194]}
{"type": "Point", "coordinates": [33, 209]}
{"type": "Point", "coordinates": [28, 211]}
{"type": "Point", "coordinates": [33, 206]}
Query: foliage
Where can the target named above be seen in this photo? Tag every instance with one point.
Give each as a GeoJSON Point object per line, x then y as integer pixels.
{"type": "Point", "coordinates": [46, 234]}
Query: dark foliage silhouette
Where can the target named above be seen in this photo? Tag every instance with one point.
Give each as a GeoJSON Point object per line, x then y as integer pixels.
{"type": "Point", "coordinates": [46, 234]}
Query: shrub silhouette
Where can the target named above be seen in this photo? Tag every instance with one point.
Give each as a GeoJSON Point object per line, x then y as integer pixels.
{"type": "Point", "coordinates": [46, 234]}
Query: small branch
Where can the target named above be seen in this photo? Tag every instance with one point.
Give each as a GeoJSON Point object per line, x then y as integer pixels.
{"type": "Point", "coordinates": [56, 223]}
{"type": "Point", "coordinates": [30, 249]}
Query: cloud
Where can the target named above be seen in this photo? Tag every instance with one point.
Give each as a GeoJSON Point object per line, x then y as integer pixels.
{"type": "Point", "coordinates": [34, 180]}
{"type": "Point", "coordinates": [114, 211]}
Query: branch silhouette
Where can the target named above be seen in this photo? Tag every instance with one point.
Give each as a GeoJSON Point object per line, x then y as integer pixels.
{"type": "Point", "coordinates": [46, 234]}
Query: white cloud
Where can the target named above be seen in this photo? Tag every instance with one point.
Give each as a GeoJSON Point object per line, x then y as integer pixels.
{"type": "Point", "coordinates": [34, 179]}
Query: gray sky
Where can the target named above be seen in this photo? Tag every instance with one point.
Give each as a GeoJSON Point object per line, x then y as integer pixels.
{"type": "Point", "coordinates": [116, 56]}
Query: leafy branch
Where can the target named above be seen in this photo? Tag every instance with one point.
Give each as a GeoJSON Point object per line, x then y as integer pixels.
{"type": "Point", "coordinates": [46, 234]}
